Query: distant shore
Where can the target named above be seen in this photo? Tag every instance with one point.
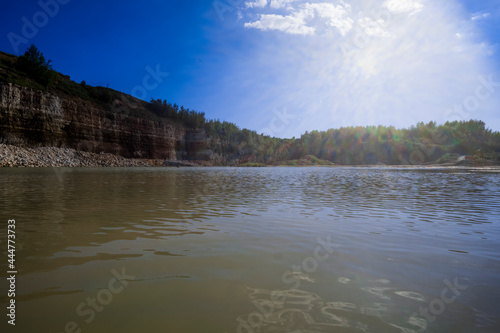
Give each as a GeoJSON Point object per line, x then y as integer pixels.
{"type": "Point", "coordinates": [13, 156]}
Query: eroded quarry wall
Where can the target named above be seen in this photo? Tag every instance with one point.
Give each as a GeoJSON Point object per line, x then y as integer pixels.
{"type": "Point", "coordinates": [32, 118]}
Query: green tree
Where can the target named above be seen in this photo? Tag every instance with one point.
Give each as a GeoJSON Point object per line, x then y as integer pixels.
{"type": "Point", "coordinates": [33, 63]}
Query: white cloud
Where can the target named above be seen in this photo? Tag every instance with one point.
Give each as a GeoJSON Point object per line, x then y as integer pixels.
{"type": "Point", "coordinates": [403, 6]}
{"type": "Point", "coordinates": [480, 16]}
{"type": "Point", "coordinates": [373, 28]}
{"type": "Point", "coordinates": [256, 4]}
{"type": "Point", "coordinates": [337, 16]}
{"type": "Point", "coordinates": [298, 21]}
{"type": "Point", "coordinates": [276, 4]}
{"type": "Point", "coordinates": [292, 24]}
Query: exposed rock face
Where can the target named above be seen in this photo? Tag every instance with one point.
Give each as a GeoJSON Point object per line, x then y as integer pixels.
{"type": "Point", "coordinates": [30, 118]}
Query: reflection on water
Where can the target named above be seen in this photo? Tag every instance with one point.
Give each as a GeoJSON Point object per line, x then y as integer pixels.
{"type": "Point", "coordinates": [255, 250]}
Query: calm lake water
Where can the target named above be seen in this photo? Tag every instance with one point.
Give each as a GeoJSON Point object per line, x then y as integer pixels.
{"type": "Point", "coordinates": [253, 250]}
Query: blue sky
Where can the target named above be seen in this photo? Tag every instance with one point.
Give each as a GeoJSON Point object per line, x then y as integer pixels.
{"type": "Point", "coordinates": [281, 67]}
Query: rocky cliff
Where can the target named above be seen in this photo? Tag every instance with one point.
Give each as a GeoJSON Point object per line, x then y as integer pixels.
{"type": "Point", "coordinates": [32, 118]}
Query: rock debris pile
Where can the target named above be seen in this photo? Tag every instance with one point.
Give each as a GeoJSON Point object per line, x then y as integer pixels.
{"type": "Point", "coordinates": [12, 156]}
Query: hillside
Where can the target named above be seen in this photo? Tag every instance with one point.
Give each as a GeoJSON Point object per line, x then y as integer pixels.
{"type": "Point", "coordinates": [42, 108]}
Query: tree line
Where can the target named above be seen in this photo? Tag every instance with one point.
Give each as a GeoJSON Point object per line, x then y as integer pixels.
{"type": "Point", "coordinates": [187, 117]}
{"type": "Point", "coordinates": [423, 143]}
{"type": "Point", "coordinates": [420, 144]}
